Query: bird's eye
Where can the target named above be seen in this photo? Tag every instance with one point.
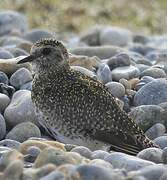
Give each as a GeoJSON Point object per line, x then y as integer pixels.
{"type": "Point", "coordinates": [46, 51]}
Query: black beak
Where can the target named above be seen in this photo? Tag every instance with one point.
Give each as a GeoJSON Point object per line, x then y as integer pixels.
{"type": "Point", "coordinates": [26, 59]}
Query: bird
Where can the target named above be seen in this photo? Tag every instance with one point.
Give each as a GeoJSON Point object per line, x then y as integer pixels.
{"type": "Point", "coordinates": [77, 109]}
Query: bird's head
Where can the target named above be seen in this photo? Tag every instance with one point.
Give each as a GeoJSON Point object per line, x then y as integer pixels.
{"type": "Point", "coordinates": [47, 53]}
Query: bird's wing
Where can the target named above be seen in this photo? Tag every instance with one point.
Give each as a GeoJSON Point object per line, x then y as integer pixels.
{"type": "Point", "coordinates": [118, 128]}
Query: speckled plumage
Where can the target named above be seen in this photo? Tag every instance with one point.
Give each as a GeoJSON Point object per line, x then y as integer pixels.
{"type": "Point", "coordinates": [75, 108]}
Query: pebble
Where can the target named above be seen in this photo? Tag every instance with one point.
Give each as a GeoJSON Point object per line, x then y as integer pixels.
{"type": "Point", "coordinates": [3, 78]}
{"type": "Point", "coordinates": [87, 172]}
{"type": "Point", "coordinates": [115, 36]}
{"type": "Point", "coordinates": [84, 61]}
{"type": "Point", "coordinates": [57, 157]}
{"type": "Point", "coordinates": [84, 71]}
{"type": "Point", "coordinates": [10, 21]}
{"type": "Point", "coordinates": [4, 54]}
{"type": "Point", "coordinates": [119, 60]}
{"type": "Point", "coordinates": [153, 172]}
{"type": "Point", "coordinates": [83, 151]}
{"type": "Point", "coordinates": [9, 66]}
{"type": "Point", "coordinates": [9, 143]}
{"type": "Point", "coordinates": [32, 153]}
{"type": "Point", "coordinates": [18, 52]}
{"type": "Point", "coordinates": [102, 52]}
{"type": "Point", "coordinates": [142, 67]}
{"type": "Point", "coordinates": [151, 154]}
{"type": "Point", "coordinates": [4, 150]}
{"type": "Point", "coordinates": [161, 141]}
{"type": "Point", "coordinates": [116, 89]}
{"type": "Point", "coordinates": [154, 72]}
{"type": "Point", "coordinates": [130, 163]}
{"type": "Point", "coordinates": [155, 131]}
{"type": "Point", "coordinates": [92, 36]}
{"type": "Point", "coordinates": [7, 90]}
{"type": "Point", "coordinates": [99, 154]}
{"type": "Point", "coordinates": [164, 155]}
{"type": "Point", "coordinates": [4, 101]}
{"type": "Point", "coordinates": [2, 127]}
{"type": "Point", "coordinates": [54, 175]}
{"type": "Point", "coordinates": [8, 157]}
{"type": "Point", "coordinates": [20, 77]}
{"type": "Point", "coordinates": [139, 38]}
{"type": "Point", "coordinates": [11, 41]}
{"type": "Point", "coordinates": [14, 170]}
{"type": "Point", "coordinates": [164, 176]}
{"type": "Point", "coordinates": [101, 163]}
{"type": "Point", "coordinates": [152, 93]}
{"type": "Point", "coordinates": [20, 109]}
{"type": "Point", "coordinates": [65, 169]}
{"type": "Point", "coordinates": [25, 45]}
{"type": "Point", "coordinates": [104, 73]}
{"type": "Point", "coordinates": [147, 115]}
{"type": "Point", "coordinates": [27, 86]}
{"type": "Point", "coordinates": [126, 72]}
{"type": "Point", "coordinates": [37, 34]}
{"type": "Point", "coordinates": [28, 130]}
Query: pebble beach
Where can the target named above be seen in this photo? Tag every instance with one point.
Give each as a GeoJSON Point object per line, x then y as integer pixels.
{"type": "Point", "coordinates": [131, 65]}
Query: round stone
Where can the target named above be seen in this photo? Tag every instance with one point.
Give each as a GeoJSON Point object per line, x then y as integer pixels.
{"type": "Point", "coordinates": [27, 86]}
{"type": "Point", "coordinates": [151, 154]}
{"type": "Point", "coordinates": [155, 131]}
{"type": "Point", "coordinates": [152, 93]}
{"type": "Point", "coordinates": [101, 163]}
{"type": "Point", "coordinates": [12, 41]}
{"type": "Point", "coordinates": [10, 143]}
{"type": "Point", "coordinates": [3, 78]}
{"type": "Point", "coordinates": [83, 151]}
{"type": "Point", "coordinates": [104, 73]}
{"type": "Point", "coordinates": [116, 89]}
{"type": "Point", "coordinates": [154, 72]}
{"type": "Point", "coordinates": [99, 154]}
{"type": "Point", "coordinates": [115, 36]}
{"type": "Point", "coordinates": [4, 101]}
{"type": "Point", "coordinates": [32, 153]}
{"type": "Point", "coordinates": [119, 60]}
{"type": "Point", "coordinates": [6, 89]}
{"type": "Point", "coordinates": [147, 115]}
{"type": "Point", "coordinates": [10, 21]}
{"type": "Point", "coordinates": [2, 127]}
{"type": "Point", "coordinates": [20, 109]}
{"type": "Point", "coordinates": [23, 131]}
{"type": "Point", "coordinates": [20, 77]}
{"type": "Point", "coordinates": [126, 72]}
{"type": "Point", "coordinates": [37, 34]}
{"type": "Point", "coordinates": [4, 54]}
{"type": "Point", "coordinates": [54, 175]}
{"type": "Point", "coordinates": [161, 141]}
{"type": "Point", "coordinates": [18, 52]}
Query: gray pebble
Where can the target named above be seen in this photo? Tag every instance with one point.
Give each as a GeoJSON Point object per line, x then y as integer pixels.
{"type": "Point", "coordinates": [164, 176]}
{"type": "Point", "coordinates": [130, 163]}
{"type": "Point", "coordinates": [3, 78]}
{"type": "Point", "coordinates": [54, 175]}
{"type": "Point", "coordinates": [119, 60]}
{"type": "Point", "coordinates": [12, 20]}
{"type": "Point", "coordinates": [116, 88]}
{"type": "Point", "coordinates": [4, 54]}
{"type": "Point", "coordinates": [126, 72]}
{"type": "Point", "coordinates": [154, 72]}
{"type": "Point", "coordinates": [99, 154]}
{"type": "Point", "coordinates": [20, 77]}
{"type": "Point", "coordinates": [31, 154]}
{"type": "Point", "coordinates": [147, 115]}
{"type": "Point", "coordinates": [101, 163]}
{"type": "Point", "coordinates": [24, 131]}
{"type": "Point", "coordinates": [151, 154]}
{"type": "Point", "coordinates": [161, 141]}
{"type": "Point", "coordinates": [104, 73]}
{"type": "Point", "coordinates": [2, 127]}
{"type": "Point", "coordinates": [87, 172]}
{"type": "Point", "coordinates": [10, 143]}
{"type": "Point", "coordinates": [83, 151]}
{"type": "Point", "coordinates": [164, 155]}
{"type": "Point", "coordinates": [12, 41]}
{"type": "Point", "coordinates": [115, 36]}
{"type": "Point", "coordinates": [142, 67]}
{"type": "Point", "coordinates": [37, 34]}
{"type": "Point", "coordinates": [155, 131]}
{"type": "Point", "coordinates": [153, 172]}
{"type": "Point", "coordinates": [152, 93]}
{"type": "Point", "coordinates": [27, 86]}
{"type": "Point", "coordinates": [20, 109]}
{"type": "Point", "coordinates": [4, 150]}
{"type": "Point", "coordinates": [17, 52]}
{"type": "Point", "coordinates": [4, 101]}
{"type": "Point", "coordinates": [139, 38]}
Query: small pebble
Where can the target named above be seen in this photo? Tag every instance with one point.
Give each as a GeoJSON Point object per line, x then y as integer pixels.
{"type": "Point", "coordinates": [10, 143]}
{"type": "Point", "coordinates": [2, 127]}
{"type": "Point", "coordinates": [154, 73]}
{"type": "Point", "coordinates": [4, 102]}
{"type": "Point", "coordinates": [83, 151]}
{"type": "Point", "coordinates": [161, 141]}
{"type": "Point", "coordinates": [4, 54]}
{"type": "Point", "coordinates": [3, 78]}
{"type": "Point", "coordinates": [54, 175]}
{"type": "Point", "coordinates": [164, 155]}
{"type": "Point", "coordinates": [99, 154]}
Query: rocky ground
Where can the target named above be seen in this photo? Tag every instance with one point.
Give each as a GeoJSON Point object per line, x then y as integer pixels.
{"type": "Point", "coordinates": [133, 67]}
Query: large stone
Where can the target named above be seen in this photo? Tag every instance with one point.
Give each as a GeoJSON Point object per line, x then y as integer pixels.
{"type": "Point", "coordinates": [20, 109]}
{"type": "Point", "coordinates": [152, 93]}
